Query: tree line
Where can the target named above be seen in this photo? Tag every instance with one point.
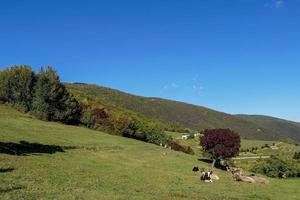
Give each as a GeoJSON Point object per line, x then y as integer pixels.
{"type": "Point", "coordinates": [45, 96]}
{"type": "Point", "coordinates": [41, 94]}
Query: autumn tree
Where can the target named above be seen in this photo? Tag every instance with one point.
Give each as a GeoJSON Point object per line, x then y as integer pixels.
{"type": "Point", "coordinates": [220, 144]}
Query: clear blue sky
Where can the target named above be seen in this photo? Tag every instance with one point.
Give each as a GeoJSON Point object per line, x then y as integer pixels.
{"type": "Point", "coordinates": [236, 56]}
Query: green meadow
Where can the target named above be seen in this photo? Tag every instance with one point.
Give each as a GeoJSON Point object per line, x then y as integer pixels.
{"type": "Point", "coordinates": [95, 165]}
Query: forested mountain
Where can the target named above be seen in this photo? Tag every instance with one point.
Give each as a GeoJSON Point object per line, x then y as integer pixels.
{"type": "Point", "coordinates": [187, 115]}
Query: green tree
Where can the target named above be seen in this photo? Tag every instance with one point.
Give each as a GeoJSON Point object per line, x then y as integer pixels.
{"type": "Point", "coordinates": [52, 101]}
{"type": "Point", "coordinates": [16, 86]}
{"type": "Point", "coordinates": [4, 89]}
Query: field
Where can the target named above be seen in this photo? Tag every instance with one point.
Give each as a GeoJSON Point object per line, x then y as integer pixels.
{"type": "Point", "coordinates": [281, 147]}
{"type": "Point", "coordinates": [87, 164]}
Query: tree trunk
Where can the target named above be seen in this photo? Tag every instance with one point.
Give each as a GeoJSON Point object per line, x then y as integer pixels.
{"type": "Point", "coordinates": [213, 163]}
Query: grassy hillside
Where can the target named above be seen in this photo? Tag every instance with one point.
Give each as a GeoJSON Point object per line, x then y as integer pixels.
{"type": "Point", "coordinates": [95, 165]}
{"type": "Point", "coordinates": [284, 149]}
{"type": "Point", "coordinates": [290, 129]}
{"type": "Point", "coordinates": [186, 115]}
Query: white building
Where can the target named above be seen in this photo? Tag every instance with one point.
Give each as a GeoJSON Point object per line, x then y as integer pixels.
{"type": "Point", "coordinates": [185, 136]}
{"type": "Point", "coordinates": [196, 135]}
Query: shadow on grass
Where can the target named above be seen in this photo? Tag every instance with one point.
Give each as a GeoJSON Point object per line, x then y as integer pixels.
{"type": "Point", "coordinates": [24, 148]}
{"type": "Point", "coordinates": [217, 165]}
{"type": "Point", "coordinates": [7, 169]}
{"type": "Point", "coordinates": [11, 189]}
{"type": "Point", "coordinates": [205, 160]}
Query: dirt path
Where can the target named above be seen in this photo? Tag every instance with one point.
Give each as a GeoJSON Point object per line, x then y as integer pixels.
{"type": "Point", "coordinates": [252, 157]}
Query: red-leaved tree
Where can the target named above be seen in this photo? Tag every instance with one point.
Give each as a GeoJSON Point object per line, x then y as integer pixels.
{"type": "Point", "coordinates": [220, 144]}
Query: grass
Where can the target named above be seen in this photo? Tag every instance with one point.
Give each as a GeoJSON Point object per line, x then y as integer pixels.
{"type": "Point", "coordinates": [103, 166]}
{"type": "Point", "coordinates": [245, 144]}
{"type": "Point", "coordinates": [248, 144]}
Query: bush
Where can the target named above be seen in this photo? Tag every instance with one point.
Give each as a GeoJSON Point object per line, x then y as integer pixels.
{"type": "Point", "coordinates": [105, 120]}
{"type": "Point", "coordinates": [155, 134]}
{"type": "Point", "coordinates": [90, 116]}
{"type": "Point", "coordinates": [296, 156]}
{"type": "Point", "coordinates": [191, 136]}
{"type": "Point", "coordinates": [228, 163]}
{"type": "Point", "coordinates": [179, 147]}
{"type": "Point", "coordinates": [147, 132]}
{"type": "Point", "coordinates": [175, 128]}
{"type": "Point", "coordinates": [265, 146]}
{"type": "Point", "coordinates": [272, 166]}
{"type": "Point", "coordinates": [124, 124]}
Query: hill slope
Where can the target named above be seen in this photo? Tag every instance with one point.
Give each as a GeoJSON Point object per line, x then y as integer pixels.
{"type": "Point", "coordinates": [187, 115]}
{"type": "Point", "coordinates": [280, 126]}
{"type": "Point", "coordinates": [95, 165]}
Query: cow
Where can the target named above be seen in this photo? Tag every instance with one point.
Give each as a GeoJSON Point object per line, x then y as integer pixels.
{"type": "Point", "coordinates": [213, 176]}
{"type": "Point", "coordinates": [238, 176]}
{"type": "Point", "coordinates": [209, 176]}
{"type": "Point", "coordinates": [206, 177]}
{"type": "Point", "coordinates": [196, 169]}
{"type": "Point", "coordinates": [282, 175]}
{"type": "Point", "coordinates": [259, 179]}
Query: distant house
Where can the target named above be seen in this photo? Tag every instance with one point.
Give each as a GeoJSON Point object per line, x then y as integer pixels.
{"type": "Point", "coordinates": [196, 135]}
{"type": "Point", "coordinates": [185, 136]}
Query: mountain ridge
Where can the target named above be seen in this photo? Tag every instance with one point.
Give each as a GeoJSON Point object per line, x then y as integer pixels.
{"type": "Point", "coordinates": [188, 115]}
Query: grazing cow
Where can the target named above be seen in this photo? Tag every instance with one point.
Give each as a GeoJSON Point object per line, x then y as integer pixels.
{"type": "Point", "coordinates": [196, 169]}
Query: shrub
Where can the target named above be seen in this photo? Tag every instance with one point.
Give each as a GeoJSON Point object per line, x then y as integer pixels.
{"type": "Point", "coordinates": [124, 124]}
{"type": "Point", "coordinates": [296, 156]}
{"type": "Point", "coordinates": [155, 134]}
{"type": "Point", "coordinates": [146, 131]}
{"type": "Point", "coordinates": [179, 147]}
{"type": "Point", "coordinates": [188, 130]}
{"type": "Point", "coordinates": [272, 166]}
{"type": "Point", "coordinates": [265, 146]}
{"type": "Point", "coordinates": [191, 136]}
{"type": "Point", "coordinates": [105, 120]}
{"type": "Point", "coordinates": [229, 163]}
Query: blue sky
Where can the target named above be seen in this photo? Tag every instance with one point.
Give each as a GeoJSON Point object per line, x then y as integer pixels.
{"type": "Point", "coordinates": [236, 56]}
